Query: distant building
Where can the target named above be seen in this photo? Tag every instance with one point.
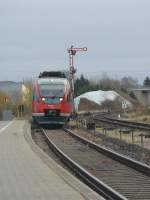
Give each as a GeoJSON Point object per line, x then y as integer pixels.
{"type": "Point", "coordinates": [142, 95]}
{"type": "Point", "coordinates": [12, 89]}
{"type": "Point", "coordinates": [24, 93]}
{"type": "Point", "coordinates": [16, 91]}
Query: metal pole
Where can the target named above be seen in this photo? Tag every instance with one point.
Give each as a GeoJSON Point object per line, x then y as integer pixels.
{"type": "Point", "coordinates": [132, 137]}
{"type": "Point", "coordinates": [72, 52]}
{"type": "Point", "coordinates": [120, 134]}
{"type": "Point", "coordinates": [142, 140]}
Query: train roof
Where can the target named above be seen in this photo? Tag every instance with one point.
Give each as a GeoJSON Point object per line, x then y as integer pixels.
{"type": "Point", "coordinates": [52, 80]}
{"type": "Point", "coordinates": [56, 74]}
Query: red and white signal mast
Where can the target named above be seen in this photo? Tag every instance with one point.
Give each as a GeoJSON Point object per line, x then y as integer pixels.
{"type": "Point", "coordinates": [72, 52]}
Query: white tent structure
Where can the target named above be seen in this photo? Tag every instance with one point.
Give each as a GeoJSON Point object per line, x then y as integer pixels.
{"type": "Point", "coordinates": [101, 96]}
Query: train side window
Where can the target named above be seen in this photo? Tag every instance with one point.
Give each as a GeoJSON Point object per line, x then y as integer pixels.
{"type": "Point", "coordinates": [34, 95]}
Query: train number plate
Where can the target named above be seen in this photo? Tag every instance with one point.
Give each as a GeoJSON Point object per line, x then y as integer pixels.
{"type": "Point", "coordinates": [51, 112]}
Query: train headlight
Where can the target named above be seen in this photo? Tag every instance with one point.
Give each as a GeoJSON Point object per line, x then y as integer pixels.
{"type": "Point", "coordinates": [43, 99]}
{"type": "Point", "coordinates": [61, 99]}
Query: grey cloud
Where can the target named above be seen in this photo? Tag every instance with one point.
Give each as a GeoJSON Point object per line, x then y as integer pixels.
{"type": "Point", "coordinates": [34, 34]}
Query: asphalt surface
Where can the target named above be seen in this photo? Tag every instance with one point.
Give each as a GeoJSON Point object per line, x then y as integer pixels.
{"type": "Point", "coordinates": [23, 175]}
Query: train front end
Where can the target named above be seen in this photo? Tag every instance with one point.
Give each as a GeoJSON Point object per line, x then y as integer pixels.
{"type": "Point", "coordinates": [51, 100]}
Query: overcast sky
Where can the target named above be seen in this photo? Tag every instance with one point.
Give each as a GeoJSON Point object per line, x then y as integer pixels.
{"type": "Point", "coordinates": [34, 36]}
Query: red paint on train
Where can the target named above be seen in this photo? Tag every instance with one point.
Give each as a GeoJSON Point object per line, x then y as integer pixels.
{"type": "Point", "coordinates": [52, 101]}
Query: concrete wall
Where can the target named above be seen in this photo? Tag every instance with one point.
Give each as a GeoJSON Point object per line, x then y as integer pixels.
{"type": "Point", "coordinates": [143, 96]}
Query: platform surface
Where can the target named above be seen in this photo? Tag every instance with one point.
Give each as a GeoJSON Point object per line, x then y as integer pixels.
{"type": "Point", "coordinates": [23, 175]}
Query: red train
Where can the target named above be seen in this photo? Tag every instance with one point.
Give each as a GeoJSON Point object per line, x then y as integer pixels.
{"type": "Point", "coordinates": [52, 100]}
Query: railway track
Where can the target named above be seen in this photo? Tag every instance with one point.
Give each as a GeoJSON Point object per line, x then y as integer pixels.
{"type": "Point", "coordinates": [114, 176]}
{"type": "Point", "coordinates": [105, 118]}
{"type": "Point", "coordinates": [133, 151]}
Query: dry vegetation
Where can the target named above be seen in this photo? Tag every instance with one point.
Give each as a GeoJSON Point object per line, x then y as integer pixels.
{"type": "Point", "coordinates": [87, 105]}
{"type": "Point", "coordinates": [140, 114]}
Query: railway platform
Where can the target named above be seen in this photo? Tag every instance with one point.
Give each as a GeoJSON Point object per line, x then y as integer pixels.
{"type": "Point", "coordinates": [28, 173]}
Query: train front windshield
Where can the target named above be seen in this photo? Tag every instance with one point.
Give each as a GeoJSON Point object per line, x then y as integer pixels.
{"type": "Point", "coordinates": [53, 90]}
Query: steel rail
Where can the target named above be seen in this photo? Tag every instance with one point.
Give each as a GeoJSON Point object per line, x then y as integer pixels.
{"type": "Point", "coordinates": [141, 167]}
{"type": "Point", "coordinates": [123, 123]}
{"type": "Point", "coordinates": [99, 186]}
{"type": "Point", "coordinates": [140, 124]}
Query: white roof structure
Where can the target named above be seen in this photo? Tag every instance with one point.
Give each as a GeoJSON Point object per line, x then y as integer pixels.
{"type": "Point", "coordinates": [52, 80]}
{"type": "Point", "coordinates": [100, 96]}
